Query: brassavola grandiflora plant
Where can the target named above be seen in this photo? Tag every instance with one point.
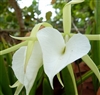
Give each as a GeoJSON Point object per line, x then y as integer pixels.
{"type": "Point", "coordinates": [51, 49]}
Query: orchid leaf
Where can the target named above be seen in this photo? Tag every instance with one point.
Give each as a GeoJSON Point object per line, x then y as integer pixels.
{"type": "Point", "coordinates": [4, 79]}
{"type": "Point", "coordinates": [8, 58]}
{"type": "Point", "coordinates": [73, 78]}
{"type": "Point", "coordinates": [68, 82]}
{"type": "Point", "coordinates": [47, 90]}
{"type": "Point", "coordinates": [1, 93]}
{"type": "Point", "coordinates": [96, 44]}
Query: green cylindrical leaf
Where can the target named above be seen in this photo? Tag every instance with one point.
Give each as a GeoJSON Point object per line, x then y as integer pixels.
{"type": "Point", "coordinates": [47, 90]}
{"type": "Point", "coordinates": [69, 86]}
{"type": "Point", "coordinates": [1, 91]}
{"type": "Point", "coordinates": [4, 79]}
{"type": "Point", "coordinates": [96, 44]}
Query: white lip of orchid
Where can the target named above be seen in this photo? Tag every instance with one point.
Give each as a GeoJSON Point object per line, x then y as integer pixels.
{"type": "Point", "coordinates": [53, 46]}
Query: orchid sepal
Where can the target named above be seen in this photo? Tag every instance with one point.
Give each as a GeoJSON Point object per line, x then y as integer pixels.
{"type": "Point", "coordinates": [13, 48]}
{"type": "Point", "coordinates": [19, 87]}
{"type": "Point", "coordinates": [67, 15]}
{"type": "Point", "coordinates": [23, 38]}
{"type": "Point", "coordinates": [31, 43]}
{"type": "Point", "coordinates": [91, 37]}
{"type": "Point", "coordinates": [91, 65]}
{"type": "Point", "coordinates": [59, 79]}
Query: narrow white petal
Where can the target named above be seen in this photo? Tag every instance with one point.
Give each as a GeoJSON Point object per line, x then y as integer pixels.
{"type": "Point", "coordinates": [35, 62]}
{"type": "Point", "coordinates": [18, 63]}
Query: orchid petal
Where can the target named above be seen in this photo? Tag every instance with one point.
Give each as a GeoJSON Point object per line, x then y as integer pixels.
{"type": "Point", "coordinates": [27, 77]}
{"type": "Point", "coordinates": [17, 83]}
{"type": "Point", "coordinates": [33, 66]}
{"type": "Point", "coordinates": [18, 90]}
{"type": "Point", "coordinates": [22, 38]}
{"type": "Point", "coordinates": [76, 47]}
{"type": "Point", "coordinates": [57, 55]}
{"type": "Point", "coordinates": [59, 79]}
{"type": "Point", "coordinates": [19, 87]}
{"type": "Point", "coordinates": [18, 63]}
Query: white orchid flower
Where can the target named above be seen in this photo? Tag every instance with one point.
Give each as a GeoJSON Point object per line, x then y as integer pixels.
{"type": "Point", "coordinates": [27, 60]}
{"type": "Point", "coordinates": [51, 50]}
{"type": "Point", "coordinates": [27, 77]}
{"type": "Point", "coordinates": [58, 52]}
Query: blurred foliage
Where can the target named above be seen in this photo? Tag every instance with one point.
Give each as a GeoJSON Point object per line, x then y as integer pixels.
{"type": "Point", "coordinates": [82, 14]}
